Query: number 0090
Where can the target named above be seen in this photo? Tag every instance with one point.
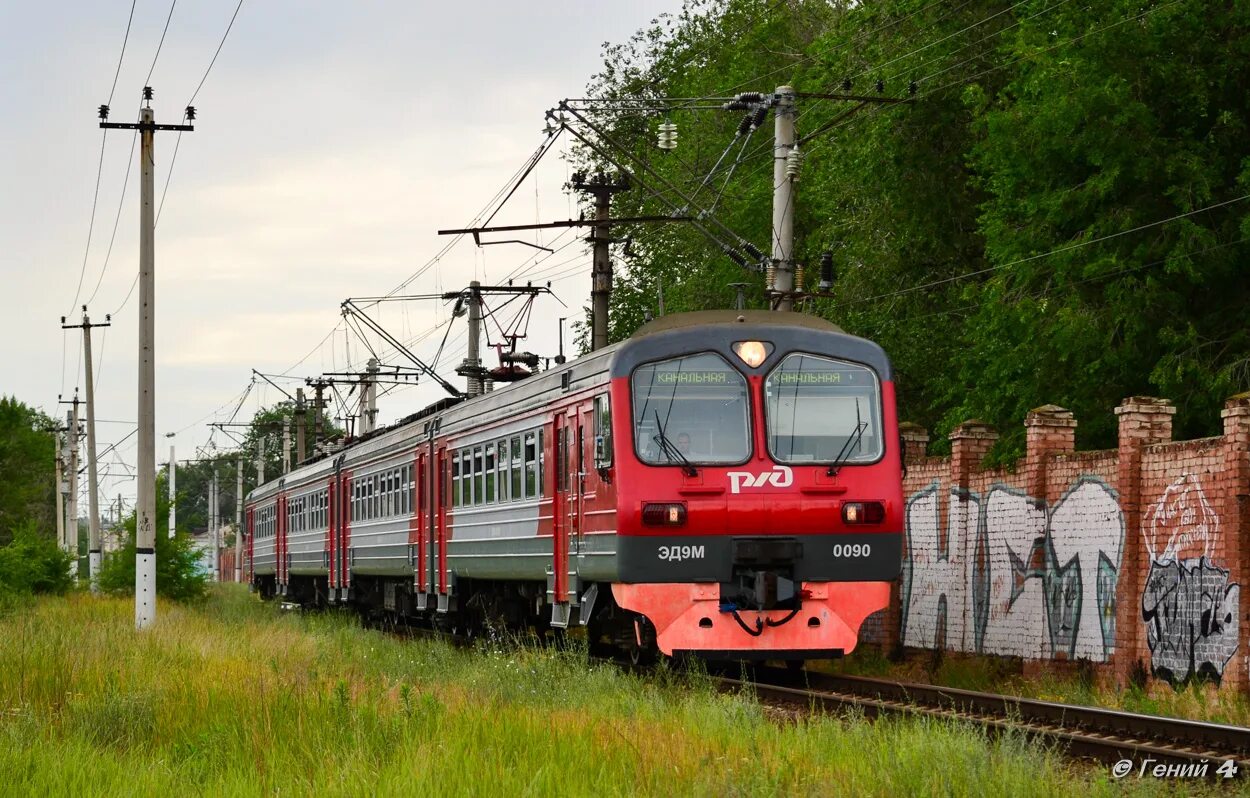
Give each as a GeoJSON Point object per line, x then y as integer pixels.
{"type": "Point", "coordinates": [852, 550]}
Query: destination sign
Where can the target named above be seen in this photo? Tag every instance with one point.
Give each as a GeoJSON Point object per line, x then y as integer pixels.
{"type": "Point", "coordinates": [814, 377]}
{"type": "Point", "coordinates": [692, 378]}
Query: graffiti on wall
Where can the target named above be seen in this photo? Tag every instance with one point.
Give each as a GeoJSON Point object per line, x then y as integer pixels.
{"type": "Point", "coordinates": [1036, 581]}
{"type": "Point", "coordinates": [1189, 604]}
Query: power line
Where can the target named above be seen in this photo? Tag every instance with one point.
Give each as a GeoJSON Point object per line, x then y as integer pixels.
{"type": "Point", "coordinates": [160, 44]}
{"type": "Point", "coordinates": [122, 56]}
{"type": "Point", "coordinates": [220, 44]}
{"type": "Point", "coordinates": [120, 204]}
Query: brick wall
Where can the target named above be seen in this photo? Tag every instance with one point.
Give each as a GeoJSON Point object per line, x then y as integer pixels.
{"type": "Point", "coordinates": [1130, 557]}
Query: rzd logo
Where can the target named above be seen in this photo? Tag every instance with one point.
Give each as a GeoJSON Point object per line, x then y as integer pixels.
{"type": "Point", "coordinates": [780, 477]}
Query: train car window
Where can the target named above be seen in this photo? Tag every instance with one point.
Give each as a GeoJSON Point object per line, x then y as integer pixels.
{"type": "Point", "coordinates": [819, 410]}
{"type": "Point", "coordinates": [603, 432]}
{"type": "Point", "coordinates": [691, 409]}
{"type": "Point", "coordinates": [479, 476]}
{"type": "Point", "coordinates": [542, 465]}
{"type": "Point", "coordinates": [501, 469]}
{"type": "Point", "coordinates": [455, 479]}
{"type": "Point", "coordinates": [517, 471]}
{"type": "Point", "coordinates": [490, 473]}
{"type": "Point", "coordinates": [531, 465]}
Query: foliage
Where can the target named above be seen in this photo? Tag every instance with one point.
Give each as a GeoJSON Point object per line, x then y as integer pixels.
{"type": "Point", "coordinates": [179, 572]}
{"type": "Point", "coordinates": [27, 481]}
{"type": "Point", "coordinates": [33, 563]}
{"type": "Point", "coordinates": [1035, 127]}
{"type": "Point", "coordinates": [233, 697]}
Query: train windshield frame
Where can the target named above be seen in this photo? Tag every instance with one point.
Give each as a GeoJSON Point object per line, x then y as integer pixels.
{"type": "Point", "coordinates": [820, 410]}
{"type": "Point", "coordinates": [694, 409]}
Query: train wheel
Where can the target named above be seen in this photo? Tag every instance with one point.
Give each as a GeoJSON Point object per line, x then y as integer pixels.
{"type": "Point", "coordinates": [642, 650]}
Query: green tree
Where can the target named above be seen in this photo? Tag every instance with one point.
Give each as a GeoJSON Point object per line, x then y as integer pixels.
{"type": "Point", "coordinates": [27, 477]}
{"type": "Point", "coordinates": [179, 570]}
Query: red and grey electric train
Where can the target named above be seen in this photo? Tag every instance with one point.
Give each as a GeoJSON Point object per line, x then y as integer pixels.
{"type": "Point", "coordinates": [724, 484]}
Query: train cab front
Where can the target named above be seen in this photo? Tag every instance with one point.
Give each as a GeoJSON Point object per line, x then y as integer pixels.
{"type": "Point", "coordinates": [760, 508]}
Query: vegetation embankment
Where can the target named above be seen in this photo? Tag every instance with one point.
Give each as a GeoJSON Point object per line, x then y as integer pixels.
{"type": "Point", "coordinates": [234, 697]}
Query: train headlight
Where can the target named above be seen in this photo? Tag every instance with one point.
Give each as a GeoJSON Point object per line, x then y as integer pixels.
{"type": "Point", "coordinates": [753, 353]}
{"type": "Point", "coordinates": [863, 512]}
{"type": "Point", "coordinates": [667, 514]}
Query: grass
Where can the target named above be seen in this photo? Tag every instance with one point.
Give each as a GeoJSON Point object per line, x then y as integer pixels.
{"type": "Point", "coordinates": [235, 697]}
{"type": "Point", "coordinates": [1196, 700]}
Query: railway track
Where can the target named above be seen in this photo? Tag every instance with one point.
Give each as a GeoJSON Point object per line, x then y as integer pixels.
{"type": "Point", "coordinates": [1104, 734]}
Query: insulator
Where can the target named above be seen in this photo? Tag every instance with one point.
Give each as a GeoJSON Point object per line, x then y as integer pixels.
{"type": "Point", "coordinates": [147, 92]}
{"type": "Point", "coordinates": [668, 136]}
{"type": "Point", "coordinates": [761, 114]}
{"type": "Point", "coordinates": [736, 256]}
{"type": "Point", "coordinates": [745, 125]}
{"type": "Point", "coordinates": [104, 112]}
{"type": "Point", "coordinates": [735, 105]}
{"type": "Point", "coordinates": [880, 86]}
{"type": "Point", "coordinates": [752, 250]}
{"type": "Point", "coordinates": [190, 113]}
{"type": "Point", "coordinates": [770, 275]}
{"type": "Point", "coordinates": [749, 96]}
{"type": "Point", "coordinates": [826, 271]}
{"type": "Point", "coordinates": [798, 278]}
{"type": "Point", "coordinates": [793, 160]}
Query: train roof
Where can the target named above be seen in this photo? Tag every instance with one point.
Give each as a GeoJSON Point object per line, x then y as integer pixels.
{"type": "Point", "coordinates": [699, 318]}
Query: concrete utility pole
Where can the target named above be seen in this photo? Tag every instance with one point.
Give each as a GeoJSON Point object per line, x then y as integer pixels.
{"type": "Point", "coordinates": [781, 284]}
{"type": "Point", "coordinates": [319, 387]}
{"type": "Point", "coordinates": [301, 419]}
{"type": "Point", "coordinates": [173, 478]}
{"type": "Point", "coordinates": [60, 491]}
{"type": "Point", "coordinates": [71, 531]}
{"type": "Point", "coordinates": [145, 498]}
{"type": "Point", "coordinates": [212, 523]}
{"type": "Point", "coordinates": [238, 521]}
{"type": "Point", "coordinates": [369, 396]}
{"type": "Point", "coordinates": [260, 460]}
{"type": "Point", "coordinates": [93, 499]}
{"type": "Point", "coordinates": [286, 444]}
{"type": "Point", "coordinates": [601, 280]}
{"type": "Point", "coordinates": [471, 367]}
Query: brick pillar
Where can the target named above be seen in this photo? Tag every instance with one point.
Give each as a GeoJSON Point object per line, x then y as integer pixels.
{"type": "Point", "coordinates": [970, 442]}
{"type": "Point", "coordinates": [1049, 429]}
{"type": "Point", "coordinates": [1143, 420]}
{"type": "Point", "coordinates": [1235, 515]}
{"type": "Point", "coordinates": [915, 442]}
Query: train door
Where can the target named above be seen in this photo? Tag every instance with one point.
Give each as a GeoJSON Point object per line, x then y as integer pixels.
{"type": "Point", "coordinates": [343, 538]}
{"type": "Point", "coordinates": [334, 509]}
{"type": "Point", "coordinates": [568, 509]}
{"type": "Point", "coordinates": [279, 544]}
{"type": "Point", "coordinates": [425, 522]}
{"type": "Point", "coordinates": [439, 549]}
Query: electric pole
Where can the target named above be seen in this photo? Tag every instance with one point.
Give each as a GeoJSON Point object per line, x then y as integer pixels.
{"type": "Point", "coordinates": [286, 443]}
{"type": "Point", "coordinates": [781, 282]}
{"type": "Point", "coordinates": [60, 491]}
{"type": "Point", "coordinates": [145, 499]}
{"type": "Point", "coordinates": [260, 460]}
{"type": "Point", "coordinates": [601, 276]}
{"type": "Point", "coordinates": [212, 521]}
{"type": "Point", "coordinates": [71, 530]}
{"type": "Point", "coordinates": [173, 478]}
{"type": "Point", "coordinates": [301, 419]}
{"type": "Point", "coordinates": [93, 499]}
{"type": "Point", "coordinates": [369, 393]}
{"type": "Point", "coordinates": [238, 521]}
{"type": "Point", "coordinates": [471, 367]}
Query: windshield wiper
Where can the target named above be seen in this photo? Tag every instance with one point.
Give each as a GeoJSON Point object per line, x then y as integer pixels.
{"type": "Point", "coordinates": [670, 450]}
{"type": "Point", "coordinates": [854, 437]}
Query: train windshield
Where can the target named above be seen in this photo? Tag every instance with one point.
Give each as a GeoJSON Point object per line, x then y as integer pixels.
{"type": "Point", "coordinates": [690, 409]}
{"type": "Point", "coordinates": [819, 410]}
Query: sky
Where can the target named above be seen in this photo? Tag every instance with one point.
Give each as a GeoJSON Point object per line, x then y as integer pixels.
{"type": "Point", "coordinates": [332, 141]}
